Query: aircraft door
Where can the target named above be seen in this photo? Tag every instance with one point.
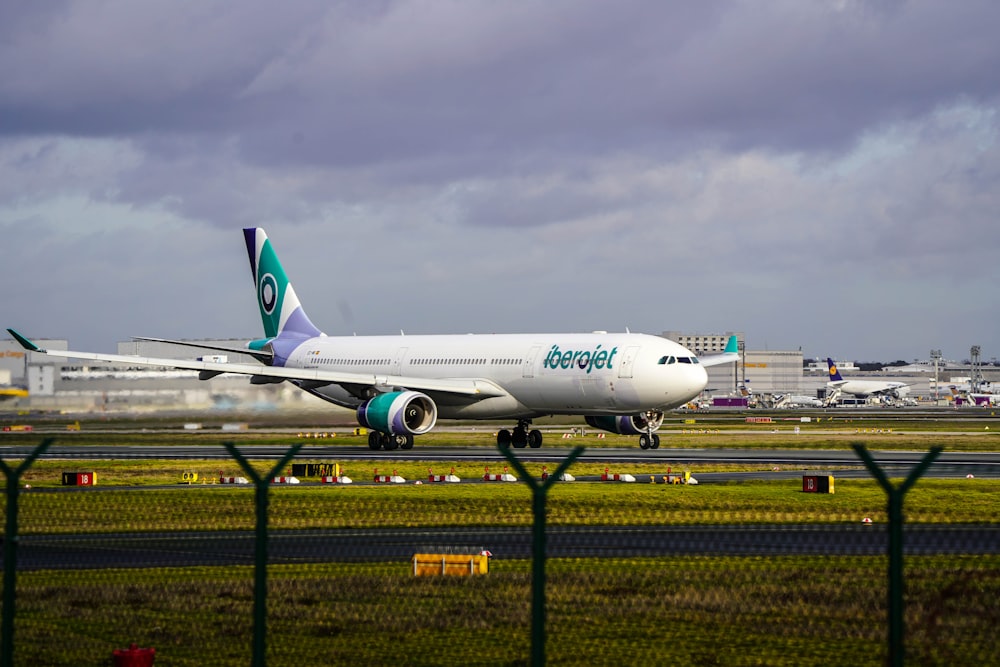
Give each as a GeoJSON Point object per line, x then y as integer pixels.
{"type": "Point", "coordinates": [397, 364]}
{"type": "Point", "coordinates": [528, 370]}
{"type": "Point", "coordinates": [628, 360]}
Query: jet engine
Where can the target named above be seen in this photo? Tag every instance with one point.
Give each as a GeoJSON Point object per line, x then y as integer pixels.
{"type": "Point", "coordinates": [639, 424]}
{"type": "Point", "coordinates": [399, 413]}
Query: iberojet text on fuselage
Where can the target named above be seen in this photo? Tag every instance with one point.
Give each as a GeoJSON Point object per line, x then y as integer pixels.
{"type": "Point", "coordinates": [583, 359]}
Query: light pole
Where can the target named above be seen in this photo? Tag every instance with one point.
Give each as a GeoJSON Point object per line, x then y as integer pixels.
{"type": "Point", "coordinates": [936, 356]}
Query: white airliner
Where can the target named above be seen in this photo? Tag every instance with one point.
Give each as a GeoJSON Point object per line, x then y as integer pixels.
{"type": "Point", "coordinates": [797, 401]}
{"type": "Point", "coordinates": [863, 388]}
{"type": "Point", "coordinates": [400, 385]}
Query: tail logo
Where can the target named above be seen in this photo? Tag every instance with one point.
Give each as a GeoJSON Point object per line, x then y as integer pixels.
{"type": "Point", "coordinates": [280, 310]}
{"type": "Point", "coordinates": [833, 370]}
{"type": "Point", "coordinates": [268, 293]}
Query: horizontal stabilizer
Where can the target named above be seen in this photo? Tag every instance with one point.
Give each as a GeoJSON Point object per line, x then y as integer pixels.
{"type": "Point", "coordinates": [263, 356]}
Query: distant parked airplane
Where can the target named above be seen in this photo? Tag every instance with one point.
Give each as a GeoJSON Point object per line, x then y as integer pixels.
{"type": "Point", "coordinates": [797, 401]}
{"type": "Point", "coordinates": [400, 385]}
{"type": "Point", "coordinates": [864, 388]}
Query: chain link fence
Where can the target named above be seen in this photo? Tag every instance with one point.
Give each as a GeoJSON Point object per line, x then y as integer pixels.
{"type": "Point", "coordinates": [330, 572]}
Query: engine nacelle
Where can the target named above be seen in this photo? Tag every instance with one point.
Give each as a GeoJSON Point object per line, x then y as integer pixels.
{"type": "Point", "coordinates": [627, 424]}
{"type": "Point", "coordinates": [399, 413]}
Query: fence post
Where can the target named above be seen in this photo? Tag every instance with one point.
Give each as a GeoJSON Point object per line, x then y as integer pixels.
{"type": "Point", "coordinates": [538, 497]}
{"type": "Point", "coordinates": [895, 512]}
{"type": "Point", "coordinates": [261, 487]}
{"type": "Point", "coordinates": [10, 551]}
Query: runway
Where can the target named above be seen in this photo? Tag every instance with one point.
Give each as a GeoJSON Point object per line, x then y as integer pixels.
{"type": "Point", "coordinates": [139, 550]}
{"type": "Point", "coordinates": [950, 464]}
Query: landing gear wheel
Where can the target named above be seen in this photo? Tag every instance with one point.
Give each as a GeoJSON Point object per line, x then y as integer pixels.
{"type": "Point", "coordinates": [389, 442]}
{"type": "Point", "coordinates": [644, 441]}
{"type": "Point", "coordinates": [655, 442]}
{"type": "Point", "coordinates": [503, 438]}
{"type": "Point", "coordinates": [534, 438]}
{"type": "Point", "coordinates": [374, 440]}
{"type": "Point", "coordinates": [400, 441]}
{"type": "Point", "coordinates": [519, 438]}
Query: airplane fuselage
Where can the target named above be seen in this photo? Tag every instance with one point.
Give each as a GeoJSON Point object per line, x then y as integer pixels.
{"type": "Point", "coordinates": [400, 385]}
{"type": "Point", "coordinates": [863, 388]}
{"type": "Point", "coordinates": [537, 374]}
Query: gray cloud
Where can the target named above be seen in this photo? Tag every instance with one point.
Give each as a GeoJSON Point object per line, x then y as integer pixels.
{"type": "Point", "coordinates": [795, 170]}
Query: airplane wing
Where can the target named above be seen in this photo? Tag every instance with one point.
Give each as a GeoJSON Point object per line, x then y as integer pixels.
{"type": "Point", "coordinates": [892, 389]}
{"type": "Point", "coordinates": [729, 355]}
{"type": "Point", "coordinates": [478, 388]}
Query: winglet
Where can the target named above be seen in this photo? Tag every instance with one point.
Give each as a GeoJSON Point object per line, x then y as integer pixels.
{"type": "Point", "coordinates": [25, 343]}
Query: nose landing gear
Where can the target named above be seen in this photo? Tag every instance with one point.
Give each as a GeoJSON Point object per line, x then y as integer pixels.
{"type": "Point", "coordinates": [649, 441]}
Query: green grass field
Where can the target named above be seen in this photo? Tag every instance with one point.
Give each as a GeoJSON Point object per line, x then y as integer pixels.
{"type": "Point", "coordinates": [570, 503]}
{"type": "Point", "coordinates": [702, 611]}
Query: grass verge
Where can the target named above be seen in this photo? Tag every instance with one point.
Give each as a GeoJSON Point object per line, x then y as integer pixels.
{"type": "Point", "coordinates": [231, 508]}
{"type": "Point", "coordinates": [701, 611]}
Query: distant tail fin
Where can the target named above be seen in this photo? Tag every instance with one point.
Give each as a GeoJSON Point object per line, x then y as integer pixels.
{"type": "Point", "coordinates": [732, 346]}
{"type": "Point", "coordinates": [834, 373]}
{"type": "Point", "coordinates": [280, 310]}
{"type": "Point", "coordinates": [729, 355]}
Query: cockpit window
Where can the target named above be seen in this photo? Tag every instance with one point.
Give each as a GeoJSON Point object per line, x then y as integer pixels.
{"type": "Point", "coordinates": [666, 360]}
{"type": "Point", "coordinates": [687, 360]}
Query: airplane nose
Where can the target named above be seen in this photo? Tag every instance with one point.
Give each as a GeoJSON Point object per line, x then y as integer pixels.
{"type": "Point", "coordinates": [695, 381]}
{"type": "Point", "coordinates": [680, 383]}
{"type": "Point", "coordinates": [702, 377]}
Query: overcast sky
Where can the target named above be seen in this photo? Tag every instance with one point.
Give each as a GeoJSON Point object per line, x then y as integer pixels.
{"type": "Point", "coordinates": [819, 175]}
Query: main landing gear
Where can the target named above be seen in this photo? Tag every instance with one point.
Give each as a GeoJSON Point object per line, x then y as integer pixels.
{"type": "Point", "coordinates": [388, 441]}
{"type": "Point", "coordinates": [649, 440]}
{"type": "Point", "coordinates": [520, 436]}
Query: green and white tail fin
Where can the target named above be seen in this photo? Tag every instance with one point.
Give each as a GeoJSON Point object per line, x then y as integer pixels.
{"type": "Point", "coordinates": [280, 310]}
{"type": "Point", "coordinates": [729, 355]}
